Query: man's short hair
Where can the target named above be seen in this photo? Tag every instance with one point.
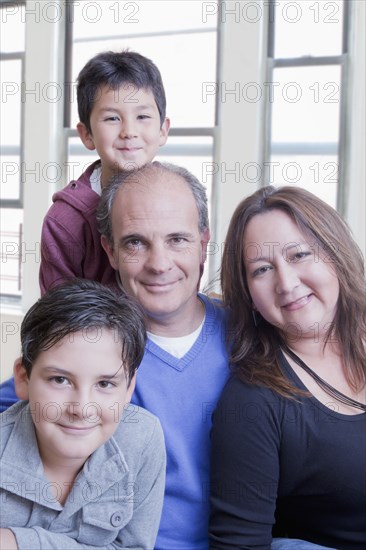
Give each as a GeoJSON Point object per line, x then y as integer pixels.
{"type": "Point", "coordinates": [153, 169]}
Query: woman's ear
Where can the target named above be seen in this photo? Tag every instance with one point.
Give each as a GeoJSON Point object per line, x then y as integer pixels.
{"type": "Point", "coordinates": [21, 380]}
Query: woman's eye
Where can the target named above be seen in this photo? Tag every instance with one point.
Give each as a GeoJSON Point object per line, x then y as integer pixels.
{"type": "Point", "coordinates": [261, 270]}
{"type": "Point", "coordinates": [300, 255]}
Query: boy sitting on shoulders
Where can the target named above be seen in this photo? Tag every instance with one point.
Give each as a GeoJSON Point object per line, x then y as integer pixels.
{"type": "Point", "coordinates": [121, 104]}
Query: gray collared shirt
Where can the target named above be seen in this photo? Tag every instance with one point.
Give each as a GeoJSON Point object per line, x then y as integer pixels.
{"type": "Point", "coordinates": [115, 501]}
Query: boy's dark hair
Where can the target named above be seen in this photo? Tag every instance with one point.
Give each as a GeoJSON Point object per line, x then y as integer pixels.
{"type": "Point", "coordinates": [77, 306]}
{"type": "Point", "coordinates": [113, 69]}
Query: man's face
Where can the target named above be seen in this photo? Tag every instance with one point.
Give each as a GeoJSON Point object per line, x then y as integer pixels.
{"type": "Point", "coordinates": [77, 391]}
{"type": "Point", "coordinates": [158, 250]}
{"type": "Point", "coordinates": [125, 129]}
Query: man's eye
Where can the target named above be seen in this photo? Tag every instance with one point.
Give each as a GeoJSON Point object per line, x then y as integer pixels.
{"type": "Point", "coordinates": [133, 243]}
{"type": "Point", "coordinates": [178, 240]}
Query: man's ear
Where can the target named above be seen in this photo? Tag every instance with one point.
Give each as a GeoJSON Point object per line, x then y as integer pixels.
{"type": "Point", "coordinates": [85, 136]}
{"type": "Point", "coordinates": [205, 238]}
{"type": "Point", "coordinates": [21, 380]}
{"type": "Point", "coordinates": [164, 131]}
{"type": "Point", "coordinates": [109, 251]}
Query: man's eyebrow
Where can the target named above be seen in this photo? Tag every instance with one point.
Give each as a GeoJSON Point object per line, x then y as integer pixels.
{"type": "Point", "coordinates": [184, 234]}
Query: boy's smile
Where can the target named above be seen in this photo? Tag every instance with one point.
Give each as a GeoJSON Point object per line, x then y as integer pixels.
{"type": "Point", "coordinates": [125, 129]}
{"type": "Point", "coordinates": [77, 391]}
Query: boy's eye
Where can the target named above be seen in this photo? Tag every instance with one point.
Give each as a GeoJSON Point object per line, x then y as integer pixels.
{"type": "Point", "coordinates": [112, 118]}
{"type": "Point", "coordinates": [106, 384]}
{"type": "Point", "coordinates": [59, 380]}
{"type": "Point", "coordinates": [142, 117]}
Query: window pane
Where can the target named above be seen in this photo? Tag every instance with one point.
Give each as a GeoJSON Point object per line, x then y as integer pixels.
{"type": "Point", "coordinates": [308, 28]}
{"type": "Point", "coordinates": [10, 106]}
{"type": "Point", "coordinates": [10, 177]}
{"type": "Point", "coordinates": [181, 41]}
{"type": "Point", "coordinates": [316, 173]}
{"type": "Point", "coordinates": [12, 36]}
{"type": "Point", "coordinates": [10, 237]}
{"type": "Point", "coordinates": [186, 63]}
{"type": "Point", "coordinates": [112, 17]}
{"type": "Point", "coordinates": [305, 104]}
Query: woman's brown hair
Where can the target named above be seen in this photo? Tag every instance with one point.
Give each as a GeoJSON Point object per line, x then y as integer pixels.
{"type": "Point", "coordinates": [254, 349]}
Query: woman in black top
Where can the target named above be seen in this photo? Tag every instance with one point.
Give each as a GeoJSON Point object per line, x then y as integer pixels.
{"type": "Point", "coordinates": [289, 433]}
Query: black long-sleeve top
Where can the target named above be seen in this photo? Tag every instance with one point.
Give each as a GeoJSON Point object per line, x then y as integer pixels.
{"type": "Point", "coordinates": [295, 467]}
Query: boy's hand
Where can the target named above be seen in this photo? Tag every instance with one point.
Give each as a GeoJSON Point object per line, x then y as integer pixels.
{"type": "Point", "coordinates": [7, 540]}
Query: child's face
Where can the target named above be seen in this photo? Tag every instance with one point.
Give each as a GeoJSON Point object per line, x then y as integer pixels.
{"type": "Point", "coordinates": [77, 391]}
{"type": "Point", "coordinates": [125, 129]}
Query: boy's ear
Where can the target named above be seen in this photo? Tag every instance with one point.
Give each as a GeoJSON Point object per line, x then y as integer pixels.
{"type": "Point", "coordinates": [109, 251]}
{"type": "Point", "coordinates": [21, 380]}
{"type": "Point", "coordinates": [85, 136]}
{"type": "Point", "coordinates": [131, 389]}
{"type": "Point", "coordinates": [164, 131]}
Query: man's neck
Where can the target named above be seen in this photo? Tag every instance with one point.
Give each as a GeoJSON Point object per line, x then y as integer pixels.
{"type": "Point", "coordinates": [177, 324]}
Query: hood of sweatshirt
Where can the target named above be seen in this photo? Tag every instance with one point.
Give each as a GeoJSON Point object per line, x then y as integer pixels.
{"type": "Point", "coordinates": [79, 194]}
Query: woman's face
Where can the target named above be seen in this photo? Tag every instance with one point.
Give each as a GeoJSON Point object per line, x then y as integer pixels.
{"type": "Point", "coordinates": [292, 283]}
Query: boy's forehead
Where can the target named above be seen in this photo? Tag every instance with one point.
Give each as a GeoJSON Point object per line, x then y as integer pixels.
{"type": "Point", "coordinates": [126, 92]}
{"type": "Point", "coordinates": [69, 351]}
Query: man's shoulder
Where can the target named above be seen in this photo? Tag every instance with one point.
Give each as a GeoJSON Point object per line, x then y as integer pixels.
{"type": "Point", "coordinates": [216, 312]}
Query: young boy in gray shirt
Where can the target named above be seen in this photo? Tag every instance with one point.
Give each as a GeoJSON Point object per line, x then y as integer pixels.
{"type": "Point", "coordinates": [80, 468]}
